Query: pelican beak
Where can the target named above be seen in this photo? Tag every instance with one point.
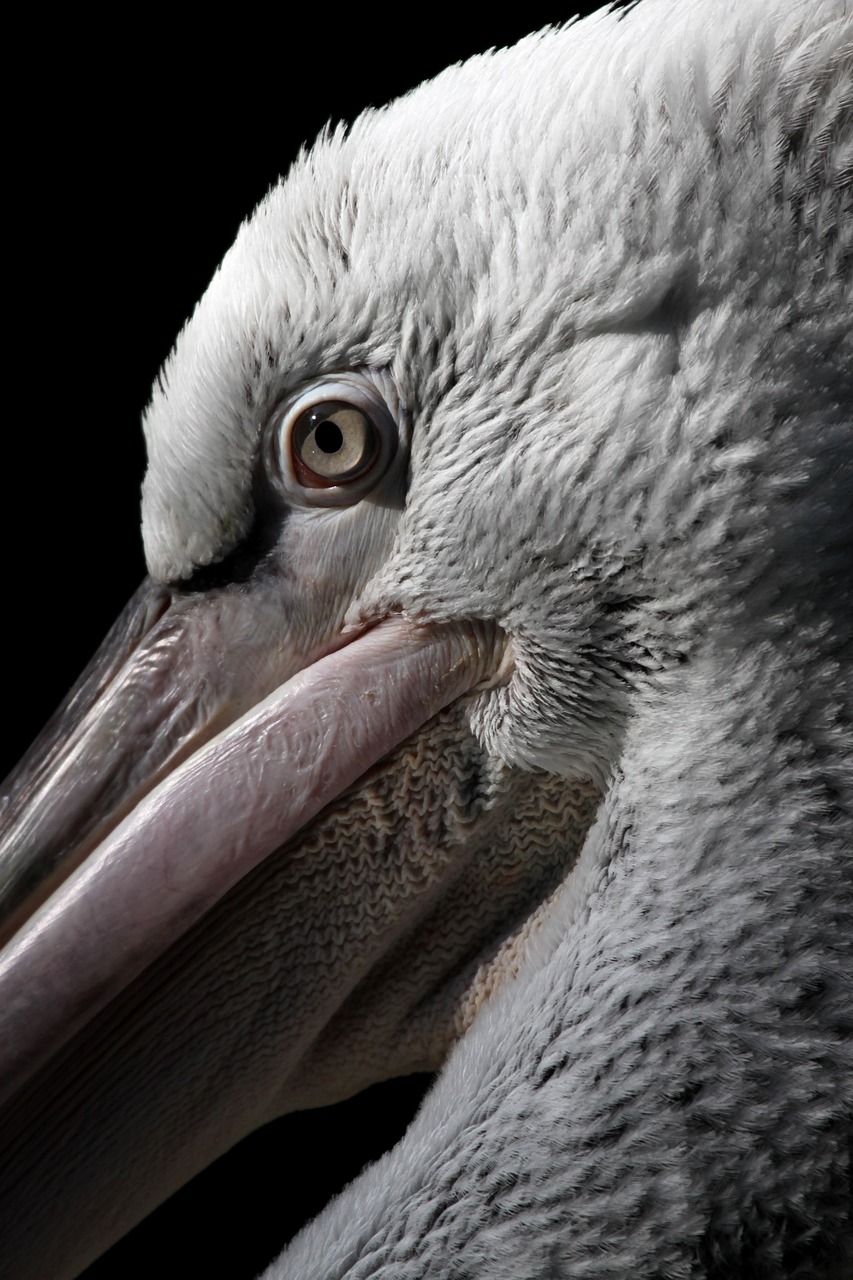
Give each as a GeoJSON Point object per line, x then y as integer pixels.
{"type": "Point", "coordinates": [205, 735]}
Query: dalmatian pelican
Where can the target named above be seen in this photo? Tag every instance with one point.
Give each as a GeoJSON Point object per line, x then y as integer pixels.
{"type": "Point", "coordinates": [487, 705]}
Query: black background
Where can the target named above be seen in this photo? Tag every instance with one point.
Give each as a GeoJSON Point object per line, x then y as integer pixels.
{"type": "Point", "coordinates": [133, 155]}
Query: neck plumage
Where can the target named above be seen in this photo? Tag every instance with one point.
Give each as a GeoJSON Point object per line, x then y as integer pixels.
{"type": "Point", "coordinates": [646, 1096]}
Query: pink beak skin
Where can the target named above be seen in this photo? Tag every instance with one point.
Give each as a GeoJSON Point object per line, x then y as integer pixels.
{"type": "Point", "coordinates": [193, 806]}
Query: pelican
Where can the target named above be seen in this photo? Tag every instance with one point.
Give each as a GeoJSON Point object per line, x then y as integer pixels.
{"type": "Point", "coordinates": [487, 704]}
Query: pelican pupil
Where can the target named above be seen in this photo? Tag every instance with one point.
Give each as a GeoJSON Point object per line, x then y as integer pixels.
{"type": "Point", "coordinates": [329, 437]}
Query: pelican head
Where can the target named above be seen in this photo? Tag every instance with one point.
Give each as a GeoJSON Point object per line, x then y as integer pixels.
{"type": "Point", "coordinates": [486, 706]}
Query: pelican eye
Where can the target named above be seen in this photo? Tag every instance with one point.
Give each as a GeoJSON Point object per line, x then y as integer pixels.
{"type": "Point", "coordinates": [333, 443]}
{"type": "Point", "coordinates": [334, 440]}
